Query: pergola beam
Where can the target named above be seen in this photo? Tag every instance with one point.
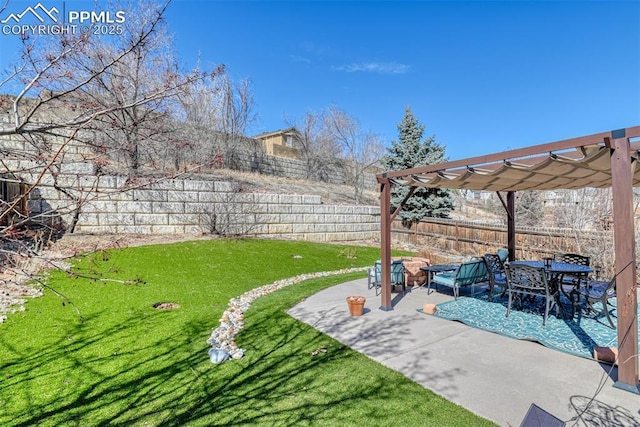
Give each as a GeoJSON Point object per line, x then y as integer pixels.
{"type": "Point", "coordinates": [402, 203]}
{"type": "Point", "coordinates": [566, 144]}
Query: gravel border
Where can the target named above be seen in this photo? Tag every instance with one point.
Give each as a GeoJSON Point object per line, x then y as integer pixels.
{"type": "Point", "coordinates": [222, 338]}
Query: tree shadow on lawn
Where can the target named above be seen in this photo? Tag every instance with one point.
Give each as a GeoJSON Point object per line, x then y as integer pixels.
{"type": "Point", "coordinates": [293, 375]}
{"type": "Point", "coordinates": [85, 378]}
{"type": "Point", "coordinates": [170, 380]}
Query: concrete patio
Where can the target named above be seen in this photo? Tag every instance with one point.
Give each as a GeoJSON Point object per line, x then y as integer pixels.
{"type": "Point", "coordinates": [493, 376]}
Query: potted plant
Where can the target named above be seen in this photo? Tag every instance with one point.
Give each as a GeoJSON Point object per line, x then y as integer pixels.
{"type": "Point", "coordinates": [356, 304]}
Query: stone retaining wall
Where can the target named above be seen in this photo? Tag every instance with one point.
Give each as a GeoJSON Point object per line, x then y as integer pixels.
{"type": "Point", "coordinates": [197, 206]}
{"type": "Point", "coordinates": [250, 158]}
{"type": "Point", "coordinates": [71, 191]}
{"type": "Point", "coordinates": [253, 161]}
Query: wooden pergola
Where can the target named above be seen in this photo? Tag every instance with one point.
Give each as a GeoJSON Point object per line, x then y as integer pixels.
{"type": "Point", "coordinates": [606, 159]}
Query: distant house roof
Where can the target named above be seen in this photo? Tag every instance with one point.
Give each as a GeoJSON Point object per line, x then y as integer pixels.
{"type": "Point", "coordinates": [277, 132]}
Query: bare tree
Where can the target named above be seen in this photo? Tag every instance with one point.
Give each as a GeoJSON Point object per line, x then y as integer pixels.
{"type": "Point", "coordinates": [235, 115]}
{"type": "Point", "coordinates": [216, 115]}
{"type": "Point", "coordinates": [585, 216]}
{"type": "Point", "coordinates": [361, 150]}
{"type": "Point", "coordinates": [235, 214]}
{"type": "Point", "coordinates": [319, 148]}
{"type": "Point", "coordinates": [530, 208]}
{"type": "Point", "coordinates": [81, 101]}
{"type": "Point", "coordinates": [198, 113]}
{"type": "Point", "coordinates": [137, 133]}
{"type": "Point", "coordinates": [61, 70]}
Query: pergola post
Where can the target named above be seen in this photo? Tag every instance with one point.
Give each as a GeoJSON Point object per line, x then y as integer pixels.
{"type": "Point", "coordinates": [511, 224]}
{"type": "Point", "coordinates": [625, 262]}
{"type": "Point", "coordinates": [385, 243]}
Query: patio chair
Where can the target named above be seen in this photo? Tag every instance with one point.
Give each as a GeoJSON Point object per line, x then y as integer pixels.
{"type": "Point", "coordinates": [525, 280]}
{"type": "Point", "coordinates": [572, 259]}
{"type": "Point", "coordinates": [467, 274]}
{"type": "Point", "coordinates": [573, 280]}
{"type": "Point", "coordinates": [594, 292]}
{"type": "Point", "coordinates": [496, 274]}
{"type": "Point", "coordinates": [397, 276]}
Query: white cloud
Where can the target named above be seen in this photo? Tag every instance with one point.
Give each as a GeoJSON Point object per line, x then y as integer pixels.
{"type": "Point", "coordinates": [297, 58]}
{"type": "Point", "coordinates": [374, 67]}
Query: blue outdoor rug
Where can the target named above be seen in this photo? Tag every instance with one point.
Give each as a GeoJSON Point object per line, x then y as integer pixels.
{"type": "Point", "coordinates": [578, 336]}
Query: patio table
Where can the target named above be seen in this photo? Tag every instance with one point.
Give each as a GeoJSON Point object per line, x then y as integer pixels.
{"type": "Point", "coordinates": [432, 269]}
{"type": "Point", "coordinates": [558, 269]}
{"type": "Point", "coordinates": [556, 272]}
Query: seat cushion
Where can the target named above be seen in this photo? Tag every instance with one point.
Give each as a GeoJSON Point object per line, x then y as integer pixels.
{"type": "Point", "coordinates": [447, 279]}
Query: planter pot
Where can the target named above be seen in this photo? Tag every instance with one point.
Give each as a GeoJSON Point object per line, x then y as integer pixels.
{"type": "Point", "coordinates": [356, 304]}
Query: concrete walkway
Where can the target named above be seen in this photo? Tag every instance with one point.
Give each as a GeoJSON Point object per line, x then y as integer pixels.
{"type": "Point", "coordinates": [493, 376]}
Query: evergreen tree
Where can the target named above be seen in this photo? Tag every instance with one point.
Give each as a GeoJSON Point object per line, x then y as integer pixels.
{"type": "Point", "coordinates": [411, 151]}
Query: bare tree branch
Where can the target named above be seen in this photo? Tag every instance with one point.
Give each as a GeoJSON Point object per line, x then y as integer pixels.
{"type": "Point", "coordinates": [361, 149]}
{"type": "Point", "coordinates": [91, 101]}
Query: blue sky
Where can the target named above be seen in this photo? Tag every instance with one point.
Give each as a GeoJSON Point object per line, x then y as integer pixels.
{"type": "Point", "coordinates": [482, 76]}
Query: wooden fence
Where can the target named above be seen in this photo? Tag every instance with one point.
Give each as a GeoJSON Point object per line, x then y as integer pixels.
{"type": "Point", "coordinates": [470, 238]}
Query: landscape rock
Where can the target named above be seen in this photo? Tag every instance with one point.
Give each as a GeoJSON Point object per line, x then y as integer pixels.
{"type": "Point", "coordinates": [232, 320]}
{"type": "Point", "coordinates": [217, 355]}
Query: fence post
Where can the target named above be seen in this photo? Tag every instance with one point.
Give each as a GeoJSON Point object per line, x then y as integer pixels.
{"type": "Point", "coordinates": [457, 235]}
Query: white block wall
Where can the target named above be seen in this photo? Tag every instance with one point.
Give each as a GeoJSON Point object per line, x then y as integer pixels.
{"type": "Point", "coordinates": [180, 206]}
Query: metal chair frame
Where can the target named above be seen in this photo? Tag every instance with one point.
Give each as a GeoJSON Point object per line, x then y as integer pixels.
{"type": "Point", "coordinates": [525, 280]}
{"type": "Point", "coordinates": [496, 273]}
{"type": "Point", "coordinates": [573, 259]}
{"type": "Point", "coordinates": [398, 275]}
{"type": "Point", "coordinates": [595, 292]}
{"type": "Point", "coordinates": [573, 280]}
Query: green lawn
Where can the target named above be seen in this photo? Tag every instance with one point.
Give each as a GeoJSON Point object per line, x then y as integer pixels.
{"type": "Point", "coordinates": [110, 358]}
